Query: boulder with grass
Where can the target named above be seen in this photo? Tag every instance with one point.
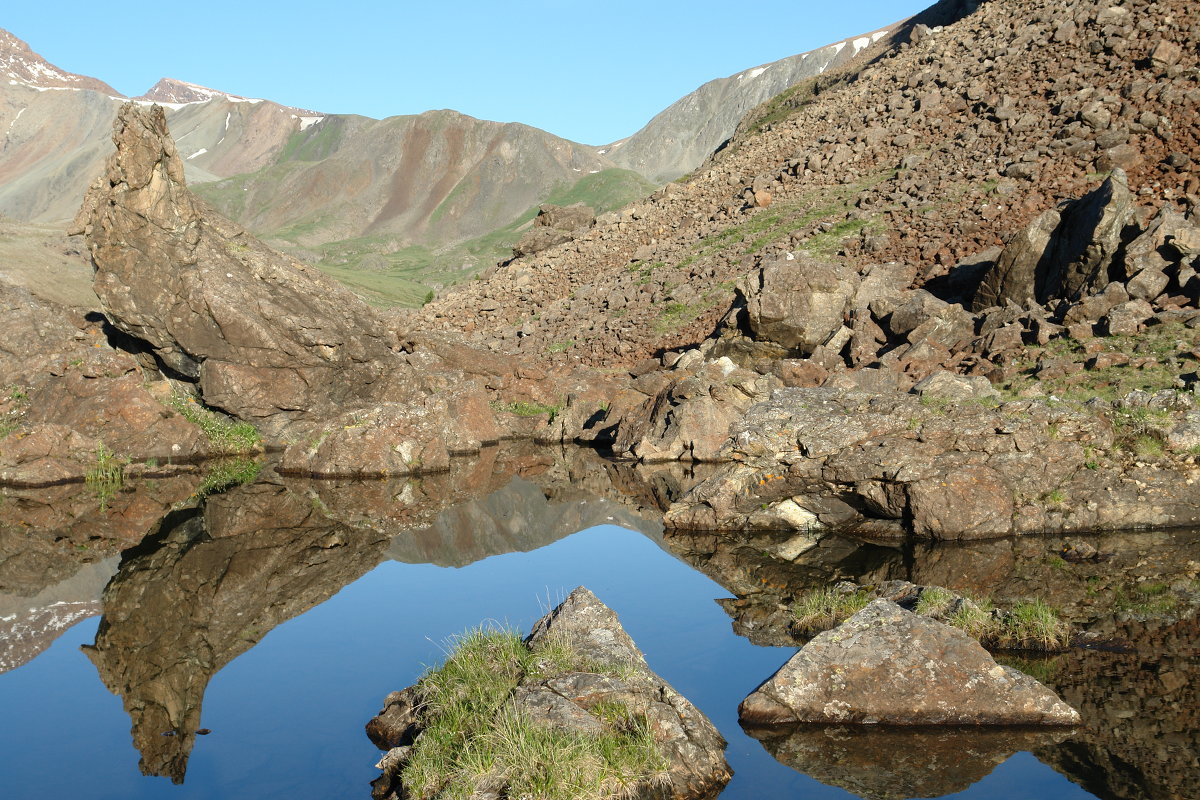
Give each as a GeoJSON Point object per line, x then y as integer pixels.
{"type": "Point", "coordinates": [888, 666]}
{"type": "Point", "coordinates": [571, 712]}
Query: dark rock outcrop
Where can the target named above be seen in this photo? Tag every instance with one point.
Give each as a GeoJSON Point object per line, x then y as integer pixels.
{"type": "Point", "coordinates": [1063, 254]}
{"type": "Point", "coordinates": [889, 666]}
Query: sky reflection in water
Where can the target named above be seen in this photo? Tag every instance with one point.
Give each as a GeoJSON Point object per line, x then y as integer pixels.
{"type": "Point", "coordinates": [287, 716]}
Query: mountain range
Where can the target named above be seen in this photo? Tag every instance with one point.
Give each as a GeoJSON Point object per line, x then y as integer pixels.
{"type": "Point", "coordinates": [395, 207]}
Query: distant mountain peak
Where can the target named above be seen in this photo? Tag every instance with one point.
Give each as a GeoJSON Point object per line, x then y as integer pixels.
{"type": "Point", "coordinates": [174, 93]}
{"type": "Point", "coordinates": [19, 64]}
{"type": "Point", "coordinates": [170, 90]}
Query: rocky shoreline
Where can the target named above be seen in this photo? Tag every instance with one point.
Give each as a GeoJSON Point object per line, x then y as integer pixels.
{"type": "Point", "coordinates": [918, 439]}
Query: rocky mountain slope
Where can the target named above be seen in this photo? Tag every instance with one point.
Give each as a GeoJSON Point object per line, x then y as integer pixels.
{"type": "Point", "coordinates": [822, 310]}
{"type": "Point", "coordinates": [928, 156]}
{"type": "Point", "coordinates": [392, 207]}
{"type": "Point", "coordinates": [19, 63]}
{"type": "Point", "coordinates": [685, 133]}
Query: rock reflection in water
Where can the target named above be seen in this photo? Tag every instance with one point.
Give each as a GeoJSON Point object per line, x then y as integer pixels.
{"type": "Point", "coordinates": [57, 552]}
{"type": "Point", "coordinates": [206, 588]}
{"type": "Point", "coordinates": [882, 763]}
{"type": "Point", "coordinates": [1140, 738]}
{"type": "Point", "coordinates": [212, 580]}
{"type": "Point", "coordinates": [1141, 712]}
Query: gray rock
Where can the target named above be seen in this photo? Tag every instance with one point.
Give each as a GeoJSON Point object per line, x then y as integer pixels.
{"type": "Point", "coordinates": [955, 387]}
{"type": "Point", "coordinates": [799, 303]}
{"type": "Point", "coordinates": [1185, 437]}
{"type": "Point", "coordinates": [886, 665]}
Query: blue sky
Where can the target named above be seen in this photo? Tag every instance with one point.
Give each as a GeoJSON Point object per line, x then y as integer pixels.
{"type": "Point", "coordinates": [592, 72]}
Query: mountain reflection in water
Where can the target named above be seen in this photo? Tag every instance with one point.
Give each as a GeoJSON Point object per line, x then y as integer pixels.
{"type": "Point", "coordinates": [201, 582]}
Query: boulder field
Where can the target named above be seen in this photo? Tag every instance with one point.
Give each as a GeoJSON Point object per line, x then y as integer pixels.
{"type": "Point", "coordinates": [834, 315]}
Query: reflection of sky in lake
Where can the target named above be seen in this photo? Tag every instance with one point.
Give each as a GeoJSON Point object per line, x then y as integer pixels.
{"type": "Point", "coordinates": [287, 717]}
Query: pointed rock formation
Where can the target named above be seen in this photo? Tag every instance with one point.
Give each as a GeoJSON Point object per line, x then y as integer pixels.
{"type": "Point", "coordinates": [1062, 254]}
{"type": "Point", "coordinates": [889, 666]}
{"type": "Point", "coordinates": [205, 589]}
{"type": "Point", "coordinates": [273, 341]}
{"type": "Point", "coordinates": [264, 334]}
{"type": "Point", "coordinates": [604, 670]}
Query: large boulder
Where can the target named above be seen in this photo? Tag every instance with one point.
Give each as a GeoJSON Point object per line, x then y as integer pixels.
{"type": "Point", "coordinates": [1064, 254]}
{"type": "Point", "coordinates": [606, 671]}
{"type": "Point", "coordinates": [265, 334]}
{"type": "Point", "coordinates": [799, 301]}
{"type": "Point", "coordinates": [889, 666]}
{"type": "Point", "coordinates": [689, 419]}
{"type": "Point", "coordinates": [554, 225]}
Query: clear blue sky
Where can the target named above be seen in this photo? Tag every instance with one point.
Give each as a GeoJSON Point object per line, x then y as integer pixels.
{"type": "Point", "coordinates": [592, 72]}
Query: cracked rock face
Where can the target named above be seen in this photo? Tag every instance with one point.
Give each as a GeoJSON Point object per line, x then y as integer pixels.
{"type": "Point", "coordinates": [889, 666]}
{"type": "Point", "coordinates": [263, 333]}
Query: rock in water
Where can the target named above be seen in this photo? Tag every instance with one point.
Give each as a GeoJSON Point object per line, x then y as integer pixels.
{"type": "Point", "coordinates": [889, 666]}
{"type": "Point", "coordinates": [609, 672]}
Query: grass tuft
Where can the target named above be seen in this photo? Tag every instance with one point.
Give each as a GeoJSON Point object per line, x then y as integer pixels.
{"type": "Point", "coordinates": [473, 742]}
{"type": "Point", "coordinates": [106, 476]}
{"type": "Point", "coordinates": [934, 601]}
{"type": "Point", "coordinates": [821, 609]}
{"type": "Point", "coordinates": [226, 473]}
{"type": "Point", "coordinates": [1032, 624]}
{"type": "Point", "coordinates": [227, 435]}
{"type": "Point", "coordinates": [522, 408]}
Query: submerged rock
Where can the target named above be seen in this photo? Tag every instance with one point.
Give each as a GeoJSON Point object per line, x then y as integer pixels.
{"type": "Point", "coordinates": [889, 666]}
{"type": "Point", "coordinates": [606, 672]}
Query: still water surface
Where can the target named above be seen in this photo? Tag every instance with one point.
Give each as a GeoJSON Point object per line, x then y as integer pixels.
{"type": "Point", "coordinates": [287, 715]}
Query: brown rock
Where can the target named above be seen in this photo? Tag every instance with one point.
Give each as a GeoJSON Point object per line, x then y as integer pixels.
{"type": "Point", "coordinates": [889, 666]}
{"type": "Point", "coordinates": [969, 503]}
{"type": "Point", "coordinates": [207, 298]}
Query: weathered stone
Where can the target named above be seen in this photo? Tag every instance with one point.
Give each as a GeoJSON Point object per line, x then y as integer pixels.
{"type": "Point", "coordinates": [1127, 318]}
{"type": "Point", "coordinates": [1185, 437]}
{"type": "Point", "coordinates": [955, 387]}
{"type": "Point", "coordinates": [534, 241]}
{"type": "Point", "coordinates": [690, 419]}
{"type": "Point", "coordinates": [799, 303]}
{"type": "Point", "coordinates": [1147, 284]}
{"type": "Point", "coordinates": [1062, 255]}
{"type": "Point", "coordinates": [889, 666]}
{"type": "Point", "coordinates": [968, 503]}
{"type": "Point", "coordinates": [562, 699]}
{"type": "Point", "coordinates": [577, 217]}
{"type": "Point", "coordinates": [209, 298]}
{"type": "Point", "coordinates": [1014, 277]}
